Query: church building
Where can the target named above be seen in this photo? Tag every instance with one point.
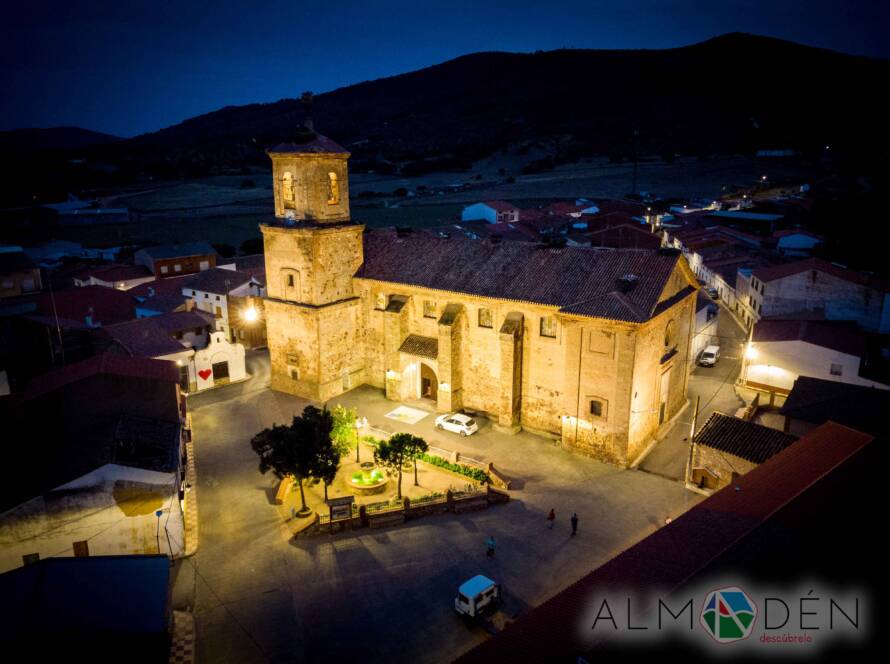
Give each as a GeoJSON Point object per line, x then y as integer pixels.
{"type": "Point", "coordinates": [586, 345]}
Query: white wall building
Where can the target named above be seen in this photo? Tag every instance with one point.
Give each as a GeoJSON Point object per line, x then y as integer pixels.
{"type": "Point", "coordinates": [210, 291]}
{"type": "Point", "coordinates": [494, 212]}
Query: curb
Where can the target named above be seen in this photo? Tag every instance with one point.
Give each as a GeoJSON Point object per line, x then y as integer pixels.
{"type": "Point", "coordinates": [191, 501]}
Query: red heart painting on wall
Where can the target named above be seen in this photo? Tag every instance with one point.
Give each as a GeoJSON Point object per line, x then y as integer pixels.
{"type": "Point", "coordinates": [205, 373]}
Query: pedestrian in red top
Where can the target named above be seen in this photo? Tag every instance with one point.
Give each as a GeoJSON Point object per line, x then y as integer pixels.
{"type": "Point", "coordinates": [551, 518]}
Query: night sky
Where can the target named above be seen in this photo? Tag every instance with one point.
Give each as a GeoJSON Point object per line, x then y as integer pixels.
{"type": "Point", "coordinates": [131, 67]}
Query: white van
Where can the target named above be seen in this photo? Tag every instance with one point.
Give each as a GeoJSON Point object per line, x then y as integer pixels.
{"type": "Point", "coordinates": [709, 356]}
{"type": "Point", "coordinates": [476, 595]}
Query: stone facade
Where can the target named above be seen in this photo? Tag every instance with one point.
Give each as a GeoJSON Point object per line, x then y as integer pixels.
{"type": "Point", "coordinates": [714, 469]}
{"type": "Point", "coordinates": [601, 386]}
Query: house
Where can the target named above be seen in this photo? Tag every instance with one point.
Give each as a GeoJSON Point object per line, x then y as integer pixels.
{"type": "Point", "coordinates": [780, 351]}
{"type": "Point", "coordinates": [815, 285]}
{"type": "Point", "coordinates": [801, 512]}
{"type": "Point", "coordinates": [625, 236]}
{"type": "Point", "coordinates": [493, 212]}
{"type": "Point", "coordinates": [86, 306]}
{"type": "Point", "coordinates": [587, 346]}
{"type": "Point", "coordinates": [728, 447]}
{"type": "Point", "coordinates": [18, 274]}
{"type": "Point", "coordinates": [234, 298]}
{"type": "Point", "coordinates": [97, 608]}
{"type": "Point", "coordinates": [707, 316]}
{"type": "Point", "coordinates": [111, 456]}
{"type": "Point", "coordinates": [171, 260]}
{"type": "Point", "coordinates": [814, 401]}
{"type": "Point", "coordinates": [796, 242]}
{"type": "Point", "coordinates": [204, 356]}
{"type": "Point", "coordinates": [160, 296]}
{"type": "Point", "coordinates": [121, 277]}
{"type": "Point", "coordinates": [572, 209]}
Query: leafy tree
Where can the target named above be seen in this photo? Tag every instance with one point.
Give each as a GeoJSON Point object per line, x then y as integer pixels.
{"type": "Point", "coordinates": [224, 250]}
{"type": "Point", "coordinates": [344, 433]}
{"type": "Point", "coordinates": [297, 450]}
{"type": "Point", "coordinates": [393, 453]}
{"type": "Point", "coordinates": [417, 448]}
{"type": "Point", "coordinates": [253, 245]}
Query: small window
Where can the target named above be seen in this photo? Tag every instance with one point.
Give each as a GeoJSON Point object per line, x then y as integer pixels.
{"type": "Point", "coordinates": [177, 268]}
{"type": "Point", "coordinates": [837, 369]}
{"type": "Point", "coordinates": [381, 301]}
{"type": "Point", "coordinates": [485, 318]}
{"type": "Point", "coordinates": [30, 558]}
{"type": "Point", "coordinates": [548, 327]}
{"type": "Point", "coordinates": [596, 408]}
{"type": "Point", "coordinates": [217, 298]}
{"type": "Point", "coordinates": [193, 292]}
{"type": "Point", "coordinates": [670, 336]}
{"type": "Point", "coordinates": [429, 309]}
{"type": "Point", "coordinates": [206, 296]}
{"type": "Point", "coordinates": [163, 269]}
{"type": "Point", "coordinates": [290, 281]}
{"type": "Point", "coordinates": [333, 189]}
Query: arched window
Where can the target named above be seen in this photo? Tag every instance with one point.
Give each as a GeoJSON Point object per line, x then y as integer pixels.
{"type": "Point", "coordinates": [287, 187]}
{"type": "Point", "coordinates": [333, 189]}
{"type": "Point", "coordinates": [290, 284]}
{"type": "Point", "coordinates": [670, 336]}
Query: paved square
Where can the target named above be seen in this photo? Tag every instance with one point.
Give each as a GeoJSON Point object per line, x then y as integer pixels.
{"type": "Point", "coordinates": [385, 595]}
{"type": "Point", "coordinates": [407, 415]}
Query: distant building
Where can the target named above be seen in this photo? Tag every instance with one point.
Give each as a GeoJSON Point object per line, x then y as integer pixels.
{"type": "Point", "coordinates": [727, 447]}
{"type": "Point", "coordinates": [494, 212]}
{"type": "Point", "coordinates": [625, 236]}
{"type": "Point", "coordinates": [110, 456]}
{"type": "Point", "coordinates": [18, 274]}
{"type": "Point", "coordinates": [815, 285]}
{"type": "Point", "coordinates": [160, 296]}
{"type": "Point", "coordinates": [783, 350]}
{"type": "Point", "coordinates": [121, 277]}
{"type": "Point", "coordinates": [101, 608]}
{"type": "Point", "coordinates": [204, 356]}
{"type": "Point", "coordinates": [175, 259]}
{"type": "Point", "coordinates": [796, 242]}
{"type": "Point", "coordinates": [234, 298]}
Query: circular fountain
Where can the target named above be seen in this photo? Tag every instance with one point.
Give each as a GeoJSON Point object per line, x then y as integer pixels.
{"type": "Point", "coordinates": [369, 480]}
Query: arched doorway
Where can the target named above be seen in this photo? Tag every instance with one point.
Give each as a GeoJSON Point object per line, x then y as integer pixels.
{"type": "Point", "coordinates": [429, 384]}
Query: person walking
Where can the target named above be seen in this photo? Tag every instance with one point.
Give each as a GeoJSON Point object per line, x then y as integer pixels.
{"type": "Point", "coordinates": [574, 523]}
{"type": "Point", "coordinates": [551, 518]}
{"type": "Point", "coordinates": [490, 544]}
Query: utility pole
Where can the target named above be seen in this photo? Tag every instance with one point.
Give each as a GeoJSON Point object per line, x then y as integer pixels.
{"type": "Point", "coordinates": [692, 441]}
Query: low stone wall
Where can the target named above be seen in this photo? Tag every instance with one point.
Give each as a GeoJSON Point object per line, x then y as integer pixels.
{"type": "Point", "coordinates": [450, 502]}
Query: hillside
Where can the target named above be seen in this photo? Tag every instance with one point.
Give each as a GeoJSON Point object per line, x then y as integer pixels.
{"type": "Point", "coordinates": [52, 139]}
{"type": "Point", "coordinates": [735, 93]}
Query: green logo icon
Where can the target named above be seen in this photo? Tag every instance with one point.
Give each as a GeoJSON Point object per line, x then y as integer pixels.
{"type": "Point", "coordinates": [728, 615]}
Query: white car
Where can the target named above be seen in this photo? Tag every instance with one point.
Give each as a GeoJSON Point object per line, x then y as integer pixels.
{"type": "Point", "coordinates": [458, 423]}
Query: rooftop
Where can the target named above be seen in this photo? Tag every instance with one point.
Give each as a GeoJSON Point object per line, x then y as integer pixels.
{"type": "Point", "coordinates": [105, 306]}
{"type": "Point", "coordinates": [753, 442]}
{"type": "Point", "coordinates": [816, 400]}
{"type": "Point", "coordinates": [578, 280]}
{"type": "Point", "coordinates": [113, 273]}
{"type": "Point", "coordinates": [163, 295]}
{"type": "Point", "coordinates": [153, 336]}
{"type": "Point", "coordinates": [217, 280]}
{"type": "Point", "coordinates": [772, 273]}
{"type": "Point", "coordinates": [316, 144]}
{"type": "Point", "coordinates": [839, 335]}
{"type": "Point", "coordinates": [179, 250]}
{"type": "Point", "coordinates": [415, 344]}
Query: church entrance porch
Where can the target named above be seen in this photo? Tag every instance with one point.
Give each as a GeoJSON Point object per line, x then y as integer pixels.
{"type": "Point", "coordinates": [429, 385]}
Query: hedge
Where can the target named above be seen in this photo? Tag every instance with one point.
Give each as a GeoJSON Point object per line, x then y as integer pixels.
{"type": "Point", "coordinates": [461, 469]}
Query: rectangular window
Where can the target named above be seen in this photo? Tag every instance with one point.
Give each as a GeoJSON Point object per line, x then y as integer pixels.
{"type": "Point", "coordinates": [204, 265]}
{"type": "Point", "coordinates": [596, 408]}
{"type": "Point", "coordinates": [485, 318]}
{"type": "Point", "coordinates": [163, 269]}
{"type": "Point", "coordinates": [380, 301]}
{"type": "Point", "coordinates": [837, 369]}
{"type": "Point", "coordinates": [193, 292]}
{"type": "Point", "coordinates": [177, 268]}
{"type": "Point", "coordinates": [548, 327]}
{"type": "Point", "coordinates": [429, 309]}
{"type": "Point", "coordinates": [290, 281]}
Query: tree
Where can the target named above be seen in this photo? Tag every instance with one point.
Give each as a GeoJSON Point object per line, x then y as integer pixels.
{"type": "Point", "coordinates": [344, 432]}
{"type": "Point", "coordinates": [225, 250]}
{"type": "Point", "coordinates": [418, 447]}
{"type": "Point", "coordinates": [393, 453]}
{"type": "Point", "coordinates": [253, 245]}
{"type": "Point", "coordinates": [297, 450]}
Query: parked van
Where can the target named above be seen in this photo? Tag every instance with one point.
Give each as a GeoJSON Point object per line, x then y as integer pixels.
{"type": "Point", "coordinates": [476, 596]}
{"type": "Point", "coordinates": [709, 356]}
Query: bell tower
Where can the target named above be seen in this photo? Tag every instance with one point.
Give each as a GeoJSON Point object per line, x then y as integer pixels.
{"type": "Point", "coordinates": [312, 250]}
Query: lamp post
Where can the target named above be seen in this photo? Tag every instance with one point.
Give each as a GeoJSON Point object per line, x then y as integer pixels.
{"type": "Point", "coordinates": [358, 425]}
{"type": "Point", "coordinates": [158, 532]}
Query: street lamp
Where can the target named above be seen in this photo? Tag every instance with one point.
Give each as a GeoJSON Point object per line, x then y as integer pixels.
{"type": "Point", "coordinates": [251, 314]}
{"type": "Point", "coordinates": [358, 426]}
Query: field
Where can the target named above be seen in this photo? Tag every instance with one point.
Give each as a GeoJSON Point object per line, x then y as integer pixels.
{"type": "Point", "coordinates": [229, 209]}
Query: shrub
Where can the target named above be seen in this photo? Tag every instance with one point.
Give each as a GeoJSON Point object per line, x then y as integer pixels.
{"type": "Point", "coordinates": [462, 469]}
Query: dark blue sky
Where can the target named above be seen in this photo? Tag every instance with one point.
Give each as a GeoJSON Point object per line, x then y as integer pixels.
{"type": "Point", "coordinates": [130, 67]}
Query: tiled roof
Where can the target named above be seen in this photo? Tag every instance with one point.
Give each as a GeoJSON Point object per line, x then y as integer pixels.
{"type": "Point", "coordinates": [754, 442]}
{"type": "Point", "coordinates": [625, 236]}
{"type": "Point", "coordinates": [179, 250]}
{"type": "Point", "coordinates": [578, 280]}
{"type": "Point", "coordinates": [106, 306]}
{"type": "Point", "coordinates": [840, 335]}
{"type": "Point", "coordinates": [677, 555]}
{"type": "Point", "coordinates": [114, 272]}
{"type": "Point", "coordinates": [217, 280]}
{"type": "Point", "coordinates": [153, 336]}
{"type": "Point", "coordinates": [415, 344]}
{"type": "Point", "coordinates": [774, 272]}
{"type": "Point", "coordinates": [162, 295]}
{"type": "Point", "coordinates": [318, 145]}
{"type": "Point", "coordinates": [816, 400]}
{"type": "Point", "coordinates": [109, 363]}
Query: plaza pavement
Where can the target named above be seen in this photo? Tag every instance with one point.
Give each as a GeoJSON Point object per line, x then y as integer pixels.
{"type": "Point", "coordinates": [386, 595]}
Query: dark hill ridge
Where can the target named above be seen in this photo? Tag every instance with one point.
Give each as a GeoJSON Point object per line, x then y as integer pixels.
{"type": "Point", "coordinates": [51, 139]}
{"type": "Point", "coordinates": [733, 93]}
